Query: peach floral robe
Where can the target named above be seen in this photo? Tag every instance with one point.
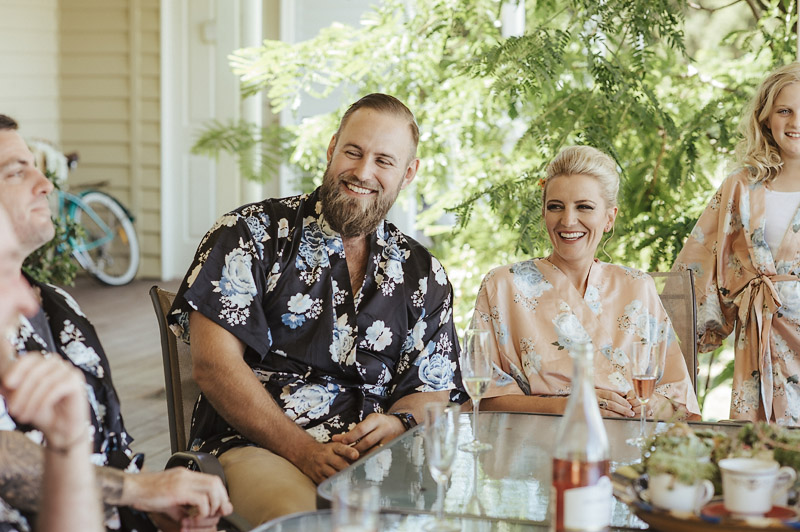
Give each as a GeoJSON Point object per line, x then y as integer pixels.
{"type": "Point", "coordinates": [534, 314]}
{"type": "Point", "coordinates": [742, 287]}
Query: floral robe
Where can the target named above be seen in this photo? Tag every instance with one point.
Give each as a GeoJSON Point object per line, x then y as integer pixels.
{"type": "Point", "coordinates": [740, 286]}
{"type": "Point", "coordinates": [535, 315]}
{"type": "Point", "coordinates": [76, 341]}
{"type": "Point", "coordinates": [274, 274]}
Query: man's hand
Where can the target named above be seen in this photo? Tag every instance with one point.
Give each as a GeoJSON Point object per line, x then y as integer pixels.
{"type": "Point", "coordinates": [50, 394]}
{"type": "Point", "coordinates": [321, 460]}
{"type": "Point", "coordinates": [376, 429]}
{"type": "Point", "coordinates": [179, 493]}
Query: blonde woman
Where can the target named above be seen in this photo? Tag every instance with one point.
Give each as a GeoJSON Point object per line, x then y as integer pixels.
{"type": "Point", "coordinates": [537, 308]}
{"type": "Point", "coordinates": [745, 251]}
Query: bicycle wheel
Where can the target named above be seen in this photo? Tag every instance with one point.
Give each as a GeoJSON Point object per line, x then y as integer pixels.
{"type": "Point", "coordinates": [109, 251]}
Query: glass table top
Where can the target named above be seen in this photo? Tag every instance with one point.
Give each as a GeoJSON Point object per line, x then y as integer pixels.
{"type": "Point", "coordinates": [396, 522]}
{"type": "Point", "coordinates": [509, 482]}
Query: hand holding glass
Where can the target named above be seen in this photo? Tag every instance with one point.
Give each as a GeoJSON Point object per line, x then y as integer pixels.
{"type": "Point", "coordinates": [476, 375]}
{"type": "Point", "coordinates": [647, 368]}
{"type": "Point", "coordinates": [441, 439]}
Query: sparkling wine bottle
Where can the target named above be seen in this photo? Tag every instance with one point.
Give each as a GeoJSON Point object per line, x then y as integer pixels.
{"type": "Point", "coordinates": [581, 493]}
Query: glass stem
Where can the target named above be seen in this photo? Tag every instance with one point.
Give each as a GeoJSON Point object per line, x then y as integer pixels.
{"type": "Point", "coordinates": [641, 423]}
{"type": "Point", "coordinates": [440, 495]}
{"type": "Point", "coordinates": [475, 407]}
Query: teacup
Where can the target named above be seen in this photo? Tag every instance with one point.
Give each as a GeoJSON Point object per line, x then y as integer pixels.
{"type": "Point", "coordinates": [749, 484]}
{"type": "Point", "coordinates": [667, 492]}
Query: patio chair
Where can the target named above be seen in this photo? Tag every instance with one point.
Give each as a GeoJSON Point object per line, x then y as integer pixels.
{"type": "Point", "coordinates": [182, 393]}
{"type": "Point", "coordinates": [676, 290]}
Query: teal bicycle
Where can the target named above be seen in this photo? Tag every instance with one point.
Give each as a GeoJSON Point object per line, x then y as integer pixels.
{"type": "Point", "coordinates": [107, 247]}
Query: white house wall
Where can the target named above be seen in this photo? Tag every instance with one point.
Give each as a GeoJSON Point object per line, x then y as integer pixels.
{"type": "Point", "coordinates": [110, 106]}
{"type": "Point", "coordinates": [29, 62]}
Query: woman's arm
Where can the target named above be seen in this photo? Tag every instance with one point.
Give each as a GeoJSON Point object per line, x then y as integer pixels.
{"type": "Point", "coordinates": [525, 403]}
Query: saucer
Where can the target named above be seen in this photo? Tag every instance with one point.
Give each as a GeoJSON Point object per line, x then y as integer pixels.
{"type": "Point", "coordinates": [715, 512]}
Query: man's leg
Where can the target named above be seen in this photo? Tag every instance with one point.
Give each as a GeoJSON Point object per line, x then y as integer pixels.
{"type": "Point", "coordinates": [263, 485]}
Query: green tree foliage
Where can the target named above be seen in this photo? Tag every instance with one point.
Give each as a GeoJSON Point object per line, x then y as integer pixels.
{"type": "Point", "coordinates": [494, 110]}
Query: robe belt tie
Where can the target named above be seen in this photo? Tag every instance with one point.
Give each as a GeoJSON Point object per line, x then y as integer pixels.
{"type": "Point", "coordinates": [758, 296]}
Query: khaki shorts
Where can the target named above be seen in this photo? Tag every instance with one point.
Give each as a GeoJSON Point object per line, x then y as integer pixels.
{"type": "Point", "coordinates": [263, 485]}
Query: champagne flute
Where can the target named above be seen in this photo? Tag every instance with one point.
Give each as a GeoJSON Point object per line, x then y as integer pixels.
{"type": "Point", "coordinates": [647, 368]}
{"type": "Point", "coordinates": [441, 438]}
{"type": "Point", "coordinates": [476, 375]}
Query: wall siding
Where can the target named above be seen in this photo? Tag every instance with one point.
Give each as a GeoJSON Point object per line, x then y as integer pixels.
{"type": "Point", "coordinates": [29, 58]}
{"type": "Point", "coordinates": [110, 106]}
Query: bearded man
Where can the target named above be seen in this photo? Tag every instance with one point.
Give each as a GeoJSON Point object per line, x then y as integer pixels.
{"type": "Point", "coordinates": [318, 329]}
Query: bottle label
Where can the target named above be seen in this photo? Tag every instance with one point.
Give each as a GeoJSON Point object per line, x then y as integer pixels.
{"type": "Point", "coordinates": [588, 507]}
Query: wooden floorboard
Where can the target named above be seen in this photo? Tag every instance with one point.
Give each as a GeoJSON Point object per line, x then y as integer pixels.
{"type": "Point", "coordinates": [126, 324]}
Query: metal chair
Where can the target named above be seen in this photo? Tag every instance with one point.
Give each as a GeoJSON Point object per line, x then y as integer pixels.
{"type": "Point", "coordinates": [676, 290]}
{"type": "Point", "coordinates": [182, 393]}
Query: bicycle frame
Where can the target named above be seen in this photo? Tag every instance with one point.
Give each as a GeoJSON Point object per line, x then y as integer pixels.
{"type": "Point", "coordinates": [67, 203]}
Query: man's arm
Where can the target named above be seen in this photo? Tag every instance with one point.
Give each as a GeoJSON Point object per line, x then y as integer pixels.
{"type": "Point", "coordinates": [50, 394]}
{"type": "Point", "coordinates": [21, 467]}
{"type": "Point", "coordinates": [229, 383]}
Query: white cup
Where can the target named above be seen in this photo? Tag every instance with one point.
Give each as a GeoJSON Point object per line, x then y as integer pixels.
{"type": "Point", "coordinates": [667, 492]}
{"type": "Point", "coordinates": [749, 484]}
{"type": "Point", "coordinates": [356, 508]}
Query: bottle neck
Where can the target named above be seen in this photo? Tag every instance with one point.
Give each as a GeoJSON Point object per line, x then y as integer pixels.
{"type": "Point", "coordinates": [583, 372]}
{"type": "Point", "coordinates": [581, 434]}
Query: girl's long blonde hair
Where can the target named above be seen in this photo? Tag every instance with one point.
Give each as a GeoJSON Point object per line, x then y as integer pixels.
{"type": "Point", "coordinates": [758, 150]}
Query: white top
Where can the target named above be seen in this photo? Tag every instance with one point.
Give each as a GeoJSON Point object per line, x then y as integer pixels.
{"type": "Point", "coordinates": [780, 209]}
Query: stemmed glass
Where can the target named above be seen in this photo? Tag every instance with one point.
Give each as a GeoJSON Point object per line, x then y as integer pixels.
{"type": "Point", "coordinates": [441, 439]}
{"type": "Point", "coordinates": [647, 368]}
{"type": "Point", "coordinates": [476, 375]}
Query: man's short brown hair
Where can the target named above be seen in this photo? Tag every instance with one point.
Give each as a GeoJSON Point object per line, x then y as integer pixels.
{"type": "Point", "coordinates": [385, 104]}
{"type": "Point", "coordinates": [6, 122]}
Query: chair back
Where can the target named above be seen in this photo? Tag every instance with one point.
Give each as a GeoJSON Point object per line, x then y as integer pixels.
{"type": "Point", "coordinates": [676, 290]}
{"type": "Point", "coordinates": [182, 391]}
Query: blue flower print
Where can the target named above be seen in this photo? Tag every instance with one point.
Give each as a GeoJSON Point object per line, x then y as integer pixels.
{"type": "Point", "coordinates": [258, 230]}
{"type": "Point", "coordinates": [342, 348]}
{"type": "Point", "coordinates": [293, 321]}
{"type": "Point", "coordinates": [312, 252]}
{"type": "Point", "coordinates": [529, 280]}
{"type": "Point", "coordinates": [569, 329]}
{"type": "Point", "coordinates": [378, 335]}
{"type": "Point", "coordinates": [300, 303]}
{"type": "Point", "coordinates": [311, 401]}
{"type": "Point", "coordinates": [437, 372]}
{"type": "Point", "coordinates": [237, 282]}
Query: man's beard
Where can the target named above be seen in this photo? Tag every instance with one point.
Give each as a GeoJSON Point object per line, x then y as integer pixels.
{"type": "Point", "coordinates": [351, 216]}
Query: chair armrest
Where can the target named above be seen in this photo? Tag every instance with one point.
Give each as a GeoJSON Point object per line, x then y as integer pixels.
{"type": "Point", "coordinates": [197, 461]}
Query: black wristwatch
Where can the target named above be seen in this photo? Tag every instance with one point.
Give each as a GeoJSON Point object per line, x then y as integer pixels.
{"type": "Point", "coordinates": [406, 418]}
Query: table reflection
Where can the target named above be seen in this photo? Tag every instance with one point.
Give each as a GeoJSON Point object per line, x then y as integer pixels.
{"type": "Point", "coordinates": [512, 480]}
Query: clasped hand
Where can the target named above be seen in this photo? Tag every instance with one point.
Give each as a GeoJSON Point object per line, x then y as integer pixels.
{"type": "Point", "coordinates": [325, 459]}
{"type": "Point", "coordinates": [613, 404]}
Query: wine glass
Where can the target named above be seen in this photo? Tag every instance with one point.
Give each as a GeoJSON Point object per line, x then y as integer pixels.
{"type": "Point", "coordinates": [441, 439]}
{"type": "Point", "coordinates": [476, 375]}
{"type": "Point", "coordinates": [647, 368]}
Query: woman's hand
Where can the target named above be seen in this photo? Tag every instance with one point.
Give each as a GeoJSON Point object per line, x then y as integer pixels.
{"type": "Point", "coordinates": [613, 404]}
{"type": "Point", "coordinates": [637, 405]}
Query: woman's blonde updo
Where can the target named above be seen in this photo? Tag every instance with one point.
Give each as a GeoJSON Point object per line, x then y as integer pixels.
{"type": "Point", "coordinates": [585, 160]}
{"type": "Point", "coordinates": [758, 150]}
